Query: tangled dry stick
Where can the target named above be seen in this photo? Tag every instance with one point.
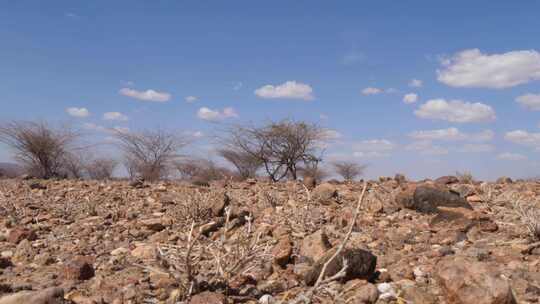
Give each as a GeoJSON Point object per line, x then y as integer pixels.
{"type": "Point", "coordinates": [321, 280]}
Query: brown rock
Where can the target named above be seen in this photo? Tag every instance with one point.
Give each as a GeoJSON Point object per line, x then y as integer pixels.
{"type": "Point", "coordinates": [208, 297]}
{"type": "Point", "coordinates": [282, 251]}
{"type": "Point", "coordinates": [154, 224]}
{"type": "Point", "coordinates": [361, 265]}
{"type": "Point", "coordinates": [324, 192]}
{"type": "Point", "coordinates": [468, 282]}
{"type": "Point", "coordinates": [413, 294]}
{"type": "Point", "coordinates": [46, 296]}
{"type": "Point", "coordinates": [80, 268]}
{"type": "Point", "coordinates": [365, 294]}
{"type": "Point", "coordinates": [16, 235]}
{"type": "Point", "coordinates": [315, 246]}
{"type": "Point", "coordinates": [144, 252]}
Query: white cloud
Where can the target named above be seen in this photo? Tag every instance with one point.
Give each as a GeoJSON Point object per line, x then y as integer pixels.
{"type": "Point", "coordinates": [287, 90]}
{"type": "Point", "coordinates": [115, 116]}
{"type": "Point", "coordinates": [371, 154]}
{"type": "Point", "coordinates": [213, 115]}
{"type": "Point", "coordinates": [94, 127]}
{"type": "Point", "coordinates": [371, 91]}
{"type": "Point", "coordinates": [332, 134]}
{"type": "Point", "coordinates": [530, 101]}
{"type": "Point", "coordinates": [373, 145]}
{"type": "Point", "coordinates": [452, 134]}
{"type": "Point", "coordinates": [415, 83]}
{"type": "Point", "coordinates": [473, 69]}
{"type": "Point", "coordinates": [511, 156]}
{"type": "Point", "coordinates": [191, 99]}
{"type": "Point", "coordinates": [323, 116]}
{"type": "Point", "coordinates": [148, 95]}
{"type": "Point", "coordinates": [410, 98]}
{"type": "Point", "coordinates": [476, 148]}
{"type": "Point", "coordinates": [524, 138]}
{"type": "Point", "coordinates": [426, 147]}
{"type": "Point", "coordinates": [78, 112]}
{"type": "Point", "coordinates": [456, 111]}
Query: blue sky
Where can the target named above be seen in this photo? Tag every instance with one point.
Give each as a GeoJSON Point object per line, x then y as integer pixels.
{"type": "Point", "coordinates": [470, 70]}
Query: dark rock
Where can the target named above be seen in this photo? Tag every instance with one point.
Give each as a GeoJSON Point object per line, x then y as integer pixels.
{"type": "Point", "coordinates": [361, 265]}
{"type": "Point", "coordinates": [427, 199]}
{"type": "Point", "coordinates": [447, 180]}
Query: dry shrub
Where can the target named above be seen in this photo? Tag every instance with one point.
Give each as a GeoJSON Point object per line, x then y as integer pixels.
{"type": "Point", "coordinates": [39, 147]}
{"type": "Point", "coordinates": [101, 168]}
{"type": "Point", "coordinates": [465, 177]}
{"type": "Point", "coordinates": [529, 215]}
{"type": "Point", "coordinates": [348, 170]}
{"type": "Point", "coordinates": [202, 170]}
{"type": "Point", "coordinates": [150, 154]}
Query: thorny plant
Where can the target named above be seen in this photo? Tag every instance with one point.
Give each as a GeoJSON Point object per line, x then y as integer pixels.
{"type": "Point", "coordinates": [530, 217]}
{"type": "Point", "coordinates": [202, 263]}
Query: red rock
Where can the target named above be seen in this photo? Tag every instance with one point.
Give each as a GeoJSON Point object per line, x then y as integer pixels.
{"type": "Point", "coordinates": [18, 234]}
{"type": "Point", "coordinates": [208, 297]}
{"type": "Point", "coordinates": [282, 251]}
{"type": "Point", "coordinates": [80, 268]}
{"type": "Point", "coordinates": [468, 282]}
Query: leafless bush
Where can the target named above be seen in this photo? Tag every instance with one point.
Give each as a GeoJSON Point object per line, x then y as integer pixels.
{"type": "Point", "coordinates": [39, 147]}
{"type": "Point", "coordinates": [314, 171]}
{"type": "Point", "coordinates": [465, 177]}
{"type": "Point", "coordinates": [530, 217]}
{"type": "Point", "coordinates": [348, 170]}
{"type": "Point", "coordinates": [245, 163]}
{"type": "Point", "coordinates": [74, 165]}
{"type": "Point", "coordinates": [101, 168]}
{"type": "Point", "coordinates": [202, 170]}
{"type": "Point", "coordinates": [150, 154]}
{"type": "Point", "coordinates": [282, 147]}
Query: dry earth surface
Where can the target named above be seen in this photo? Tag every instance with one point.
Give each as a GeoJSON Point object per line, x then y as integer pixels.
{"type": "Point", "coordinates": [257, 242]}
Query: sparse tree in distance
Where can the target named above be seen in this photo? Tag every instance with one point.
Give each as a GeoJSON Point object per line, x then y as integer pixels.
{"type": "Point", "coordinates": [246, 164]}
{"type": "Point", "coordinates": [39, 147]}
{"type": "Point", "coordinates": [101, 168]}
{"type": "Point", "coordinates": [348, 170]}
{"type": "Point", "coordinates": [202, 170]}
{"type": "Point", "coordinates": [150, 154]}
{"type": "Point", "coordinates": [282, 147]}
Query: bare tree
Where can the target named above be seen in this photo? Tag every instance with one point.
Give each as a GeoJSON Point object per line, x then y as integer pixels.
{"type": "Point", "coordinates": [348, 170]}
{"type": "Point", "coordinates": [150, 154]}
{"type": "Point", "coordinates": [101, 168]}
{"type": "Point", "coordinates": [39, 147]}
{"type": "Point", "coordinates": [245, 163]}
{"type": "Point", "coordinates": [280, 146]}
{"type": "Point", "coordinates": [74, 165]}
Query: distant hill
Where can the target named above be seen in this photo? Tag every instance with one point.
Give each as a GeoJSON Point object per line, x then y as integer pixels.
{"type": "Point", "coordinates": [10, 170]}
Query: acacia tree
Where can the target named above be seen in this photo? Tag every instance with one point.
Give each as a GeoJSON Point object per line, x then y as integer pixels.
{"type": "Point", "coordinates": [282, 147]}
{"type": "Point", "coordinates": [39, 147]}
{"type": "Point", "coordinates": [150, 154]}
{"type": "Point", "coordinates": [348, 170]}
{"type": "Point", "coordinates": [246, 164]}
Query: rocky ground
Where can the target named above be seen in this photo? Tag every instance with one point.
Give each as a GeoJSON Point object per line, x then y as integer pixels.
{"type": "Point", "coordinates": [257, 242]}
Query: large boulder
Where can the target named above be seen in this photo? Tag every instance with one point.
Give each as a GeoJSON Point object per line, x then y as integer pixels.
{"type": "Point", "coordinates": [428, 198]}
{"type": "Point", "coordinates": [465, 281]}
{"type": "Point", "coordinates": [447, 180]}
{"type": "Point", "coordinates": [46, 296]}
{"type": "Point", "coordinates": [360, 265]}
